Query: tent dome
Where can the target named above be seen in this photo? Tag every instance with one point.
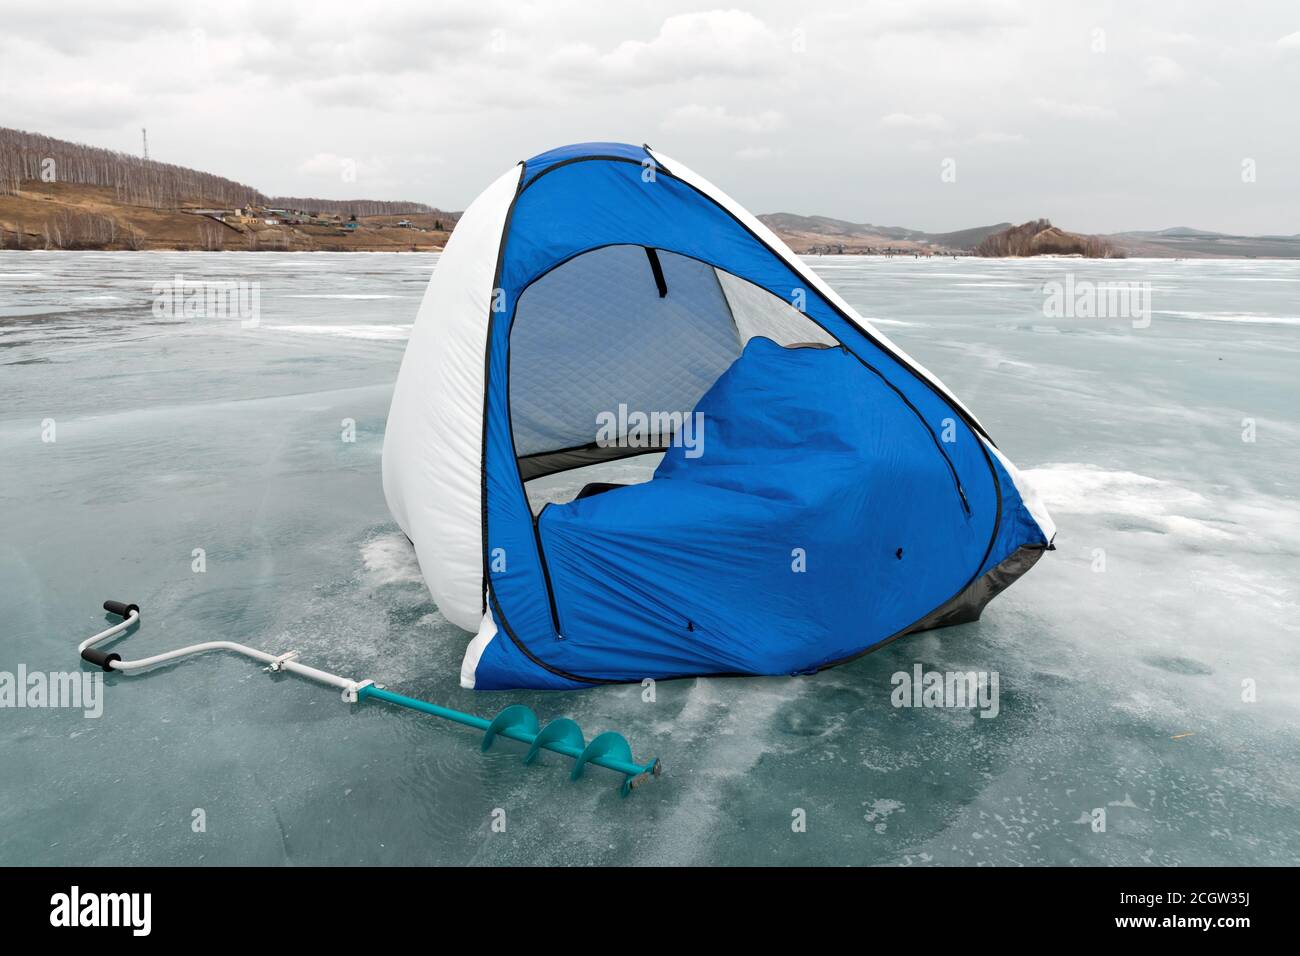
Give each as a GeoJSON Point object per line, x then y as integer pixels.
{"type": "Point", "coordinates": [820, 492]}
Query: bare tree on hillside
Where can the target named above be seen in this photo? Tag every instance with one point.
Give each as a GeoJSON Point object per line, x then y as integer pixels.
{"type": "Point", "coordinates": [212, 238]}
{"type": "Point", "coordinates": [351, 207]}
{"type": "Point", "coordinates": [142, 182]}
{"type": "Point", "coordinates": [1039, 236]}
{"type": "Point", "coordinates": [35, 158]}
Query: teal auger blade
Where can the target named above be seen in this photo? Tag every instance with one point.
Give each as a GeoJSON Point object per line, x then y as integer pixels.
{"type": "Point", "coordinates": [610, 749]}
{"type": "Point", "coordinates": [608, 744]}
{"type": "Point", "coordinates": [562, 736]}
{"type": "Point", "coordinates": [516, 722]}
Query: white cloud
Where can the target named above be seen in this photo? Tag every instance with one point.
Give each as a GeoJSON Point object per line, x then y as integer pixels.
{"type": "Point", "coordinates": [913, 121]}
{"type": "Point", "coordinates": [1072, 110]}
{"type": "Point", "coordinates": [359, 92]}
{"type": "Point", "coordinates": [80, 26]}
{"type": "Point", "coordinates": [1163, 71]}
{"type": "Point", "coordinates": [692, 45]}
{"type": "Point", "coordinates": [87, 103]}
{"type": "Point", "coordinates": [1290, 42]}
{"type": "Point", "coordinates": [754, 153]}
{"type": "Point", "coordinates": [328, 39]}
{"type": "Point", "coordinates": [998, 138]}
{"type": "Point", "coordinates": [937, 17]}
{"type": "Point", "coordinates": [694, 116]}
{"type": "Point", "coordinates": [341, 168]}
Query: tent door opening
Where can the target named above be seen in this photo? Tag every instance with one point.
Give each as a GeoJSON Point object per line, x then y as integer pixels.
{"type": "Point", "coordinates": [611, 351]}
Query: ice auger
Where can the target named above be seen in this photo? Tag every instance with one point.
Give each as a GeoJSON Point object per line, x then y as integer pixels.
{"type": "Point", "coordinates": [517, 722]}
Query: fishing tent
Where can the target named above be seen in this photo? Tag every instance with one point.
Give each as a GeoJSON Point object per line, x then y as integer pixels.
{"type": "Point", "coordinates": [820, 493]}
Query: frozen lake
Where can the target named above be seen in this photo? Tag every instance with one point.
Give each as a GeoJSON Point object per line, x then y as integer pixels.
{"type": "Point", "coordinates": [1149, 666]}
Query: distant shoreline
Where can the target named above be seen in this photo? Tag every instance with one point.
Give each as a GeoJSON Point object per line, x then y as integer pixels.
{"type": "Point", "coordinates": [40, 216]}
{"type": "Point", "coordinates": [1045, 257]}
{"type": "Point", "coordinates": [56, 194]}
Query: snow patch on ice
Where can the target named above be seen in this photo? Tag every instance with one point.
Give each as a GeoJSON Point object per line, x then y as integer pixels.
{"type": "Point", "coordinates": [1073, 488]}
{"type": "Point", "coordinates": [1247, 318]}
{"type": "Point", "coordinates": [729, 734]}
{"type": "Point", "coordinates": [879, 811]}
{"type": "Point", "coordinates": [991, 357]}
{"type": "Point", "coordinates": [389, 559]}
{"type": "Point", "coordinates": [340, 295]}
{"type": "Point", "coordinates": [387, 333]}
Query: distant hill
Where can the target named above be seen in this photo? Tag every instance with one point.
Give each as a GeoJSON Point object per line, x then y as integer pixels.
{"type": "Point", "coordinates": [1184, 242]}
{"type": "Point", "coordinates": [813, 235]}
{"type": "Point", "coordinates": [63, 195]}
{"type": "Point", "coordinates": [822, 234]}
{"type": "Point", "coordinates": [1039, 237]}
{"type": "Point", "coordinates": [968, 238]}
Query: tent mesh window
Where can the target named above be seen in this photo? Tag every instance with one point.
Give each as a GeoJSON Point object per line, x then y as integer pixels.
{"type": "Point", "coordinates": [633, 328]}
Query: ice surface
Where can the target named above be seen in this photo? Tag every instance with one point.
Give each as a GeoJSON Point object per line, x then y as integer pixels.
{"type": "Point", "coordinates": [1120, 688]}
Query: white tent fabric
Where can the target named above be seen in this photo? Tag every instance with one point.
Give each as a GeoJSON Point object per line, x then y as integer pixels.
{"type": "Point", "coordinates": [758, 312]}
{"type": "Point", "coordinates": [433, 445]}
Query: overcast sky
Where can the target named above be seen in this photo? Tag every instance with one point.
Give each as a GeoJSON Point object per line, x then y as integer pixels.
{"type": "Point", "coordinates": [1100, 116]}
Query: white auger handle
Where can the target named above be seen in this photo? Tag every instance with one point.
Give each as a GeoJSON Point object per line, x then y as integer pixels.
{"type": "Point", "coordinates": [130, 613]}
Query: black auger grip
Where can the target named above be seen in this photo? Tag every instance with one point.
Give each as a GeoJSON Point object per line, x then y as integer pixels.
{"type": "Point", "coordinates": [121, 608]}
{"type": "Point", "coordinates": [100, 658]}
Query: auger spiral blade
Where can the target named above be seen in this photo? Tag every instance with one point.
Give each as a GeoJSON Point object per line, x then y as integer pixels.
{"type": "Point", "coordinates": [564, 736]}
{"type": "Point", "coordinates": [561, 735]}
{"type": "Point", "coordinates": [612, 750]}
{"type": "Point", "coordinates": [516, 722]}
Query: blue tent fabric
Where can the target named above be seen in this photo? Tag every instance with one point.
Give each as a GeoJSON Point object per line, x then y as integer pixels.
{"type": "Point", "coordinates": [812, 524]}
{"type": "Point", "coordinates": [581, 151]}
{"type": "Point", "coordinates": [802, 446]}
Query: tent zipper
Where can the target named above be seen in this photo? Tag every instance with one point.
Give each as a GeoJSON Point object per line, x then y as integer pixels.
{"type": "Point", "coordinates": [546, 571]}
{"type": "Point", "coordinates": [952, 469]}
{"type": "Point", "coordinates": [961, 492]}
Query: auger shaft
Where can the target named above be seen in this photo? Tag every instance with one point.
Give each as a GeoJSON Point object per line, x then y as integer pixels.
{"type": "Point", "coordinates": [446, 713]}
{"type": "Point", "coordinates": [563, 736]}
